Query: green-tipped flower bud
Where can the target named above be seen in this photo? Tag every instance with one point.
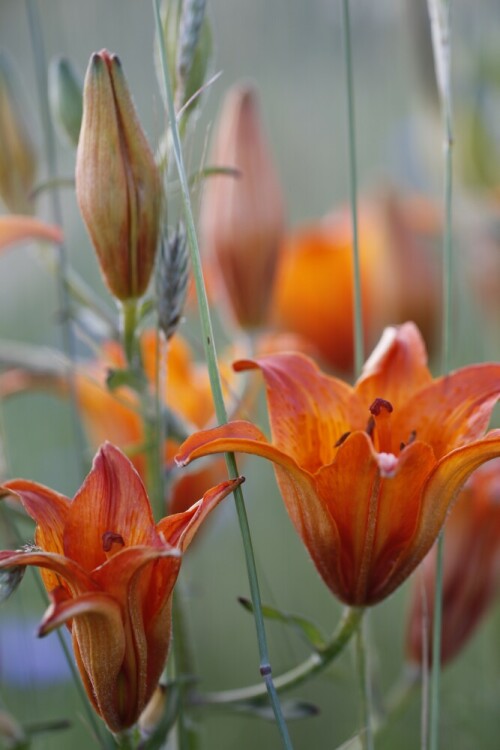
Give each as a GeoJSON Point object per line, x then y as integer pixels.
{"type": "Point", "coordinates": [17, 151]}
{"type": "Point", "coordinates": [65, 93]}
{"type": "Point", "coordinates": [188, 41]}
{"type": "Point", "coordinates": [118, 185]}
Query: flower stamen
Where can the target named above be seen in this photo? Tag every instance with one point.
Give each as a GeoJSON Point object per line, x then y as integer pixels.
{"type": "Point", "coordinates": [379, 404]}
{"type": "Point", "coordinates": [341, 439]}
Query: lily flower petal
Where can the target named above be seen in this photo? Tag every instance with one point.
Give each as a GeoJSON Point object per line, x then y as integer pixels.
{"type": "Point", "coordinates": [59, 566]}
{"type": "Point", "coordinates": [452, 410]}
{"type": "Point", "coordinates": [111, 511]}
{"type": "Point", "coordinates": [306, 509]}
{"type": "Point", "coordinates": [396, 368]}
{"type": "Point", "coordinates": [19, 228]}
{"type": "Point", "coordinates": [440, 492]}
{"type": "Point", "coordinates": [471, 571]}
{"type": "Point", "coordinates": [308, 411]}
{"type": "Point", "coordinates": [180, 528]}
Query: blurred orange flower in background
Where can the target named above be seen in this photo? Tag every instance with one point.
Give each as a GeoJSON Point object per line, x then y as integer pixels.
{"type": "Point", "coordinates": [313, 294]}
{"type": "Point", "coordinates": [110, 573]}
{"type": "Point", "coordinates": [471, 572]}
{"type": "Point", "coordinates": [367, 473]}
{"type": "Point", "coordinates": [115, 416]}
{"type": "Point", "coordinates": [400, 275]}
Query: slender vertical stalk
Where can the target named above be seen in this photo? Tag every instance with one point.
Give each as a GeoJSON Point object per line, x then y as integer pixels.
{"type": "Point", "coordinates": [188, 736]}
{"type": "Point", "coordinates": [215, 381]}
{"type": "Point", "coordinates": [359, 356]}
{"type": "Point", "coordinates": [68, 341]}
{"type": "Point", "coordinates": [366, 734]}
{"type": "Point", "coordinates": [439, 14]}
{"type": "Point", "coordinates": [150, 407]}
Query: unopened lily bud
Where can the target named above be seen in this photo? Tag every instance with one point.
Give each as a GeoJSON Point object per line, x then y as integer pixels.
{"type": "Point", "coordinates": [118, 185]}
{"type": "Point", "coordinates": [65, 93]}
{"type": "Point", "coordinates": [188, 41]}
{"type": "Point", "coordinates": [172, 279]}
{"type": "Point", "coordinates": [17, 151]}
{"type": "Point", "coordinates": [242, 214]}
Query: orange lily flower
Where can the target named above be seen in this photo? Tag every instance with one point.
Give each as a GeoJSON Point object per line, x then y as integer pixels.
{"type": "Point", "coordinates": [471, 570]}
{"type": "Point", "coordinates": [367, 473]}
{"type": "Point", "coordinates": [110, 572]}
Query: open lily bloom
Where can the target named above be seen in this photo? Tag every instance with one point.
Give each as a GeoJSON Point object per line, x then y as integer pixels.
{"type": "Point", "coordinates": [367, 473]}
{"type": "Point", "coordinates": [110, 572]}
{"type": "Point", "coordinates": [471, 571]}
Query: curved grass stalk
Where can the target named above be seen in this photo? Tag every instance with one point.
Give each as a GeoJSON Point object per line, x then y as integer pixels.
{"type": "Point", "coordinates": [215, 381]}
{"type": "Point", "coordinates": [314, 664]}
{"type": "Point", "coordinates": [359, 355]}
{"type": "Point", "coordinates": [440, 17]}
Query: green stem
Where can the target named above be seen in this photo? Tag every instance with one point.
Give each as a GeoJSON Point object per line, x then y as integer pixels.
{"type": "Point", "coordinates": [435, 679]}
{"type": "Point", "coordinates": [215, 382]}
{"type": "Point", "coordinates": [128, 325]}
{"type": "Point", "coordinates": [359, 354]}
{"type": "Point", "coordinates": [366, 693]}
{"type": "Point", "coordinates": [316, 663]}
{"type": "Point", "coordinates": [125, 741]}
{"type": "Point", "coordinates": [153, 443]}
{"type": "Point", "coordinates": [188, 736]}
{"type": "Point", "coordinates": [68, 340]}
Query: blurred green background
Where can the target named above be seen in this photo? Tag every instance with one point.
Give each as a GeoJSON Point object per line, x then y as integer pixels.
{"type": "Point", "coordinates": [293, 51]}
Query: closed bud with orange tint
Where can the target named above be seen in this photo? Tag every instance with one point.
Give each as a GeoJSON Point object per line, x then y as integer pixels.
{"type": "Point", "coordinates": [17, 152]}
{"type": "Point", "coordinates": [242, 214]}
{"type": "Point", "coordinates": [118, 184]}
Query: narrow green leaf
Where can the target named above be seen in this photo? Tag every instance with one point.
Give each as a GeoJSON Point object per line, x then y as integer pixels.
{"type": "Point", "coordinates": [118, 378]}
{"type": "Point", "coordinates": [305, 628]}
{"type": "Point", "coordinates": [292, 709]}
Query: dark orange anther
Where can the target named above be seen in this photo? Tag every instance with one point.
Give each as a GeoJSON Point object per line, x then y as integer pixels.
{"type": "Point", "coordinates": [379, 404]}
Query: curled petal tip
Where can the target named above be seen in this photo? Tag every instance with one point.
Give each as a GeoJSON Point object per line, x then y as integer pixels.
{"type": "Point", "coordinates": [245, 364]}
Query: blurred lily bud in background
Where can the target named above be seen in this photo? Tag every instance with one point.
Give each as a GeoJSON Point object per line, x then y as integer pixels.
{"type": "Point", "coordinates": [471, 573]}
{"type": "Point", "coordinates": [18, 161]}
{"type": "Point", "coordinates": [66, 99]}
{"type": "Point", "coordinates": [413, 227]}
{"type": "Point", "coordinates": [118, 185]}
{"type": "Point", "coordinates": [242, 214]}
